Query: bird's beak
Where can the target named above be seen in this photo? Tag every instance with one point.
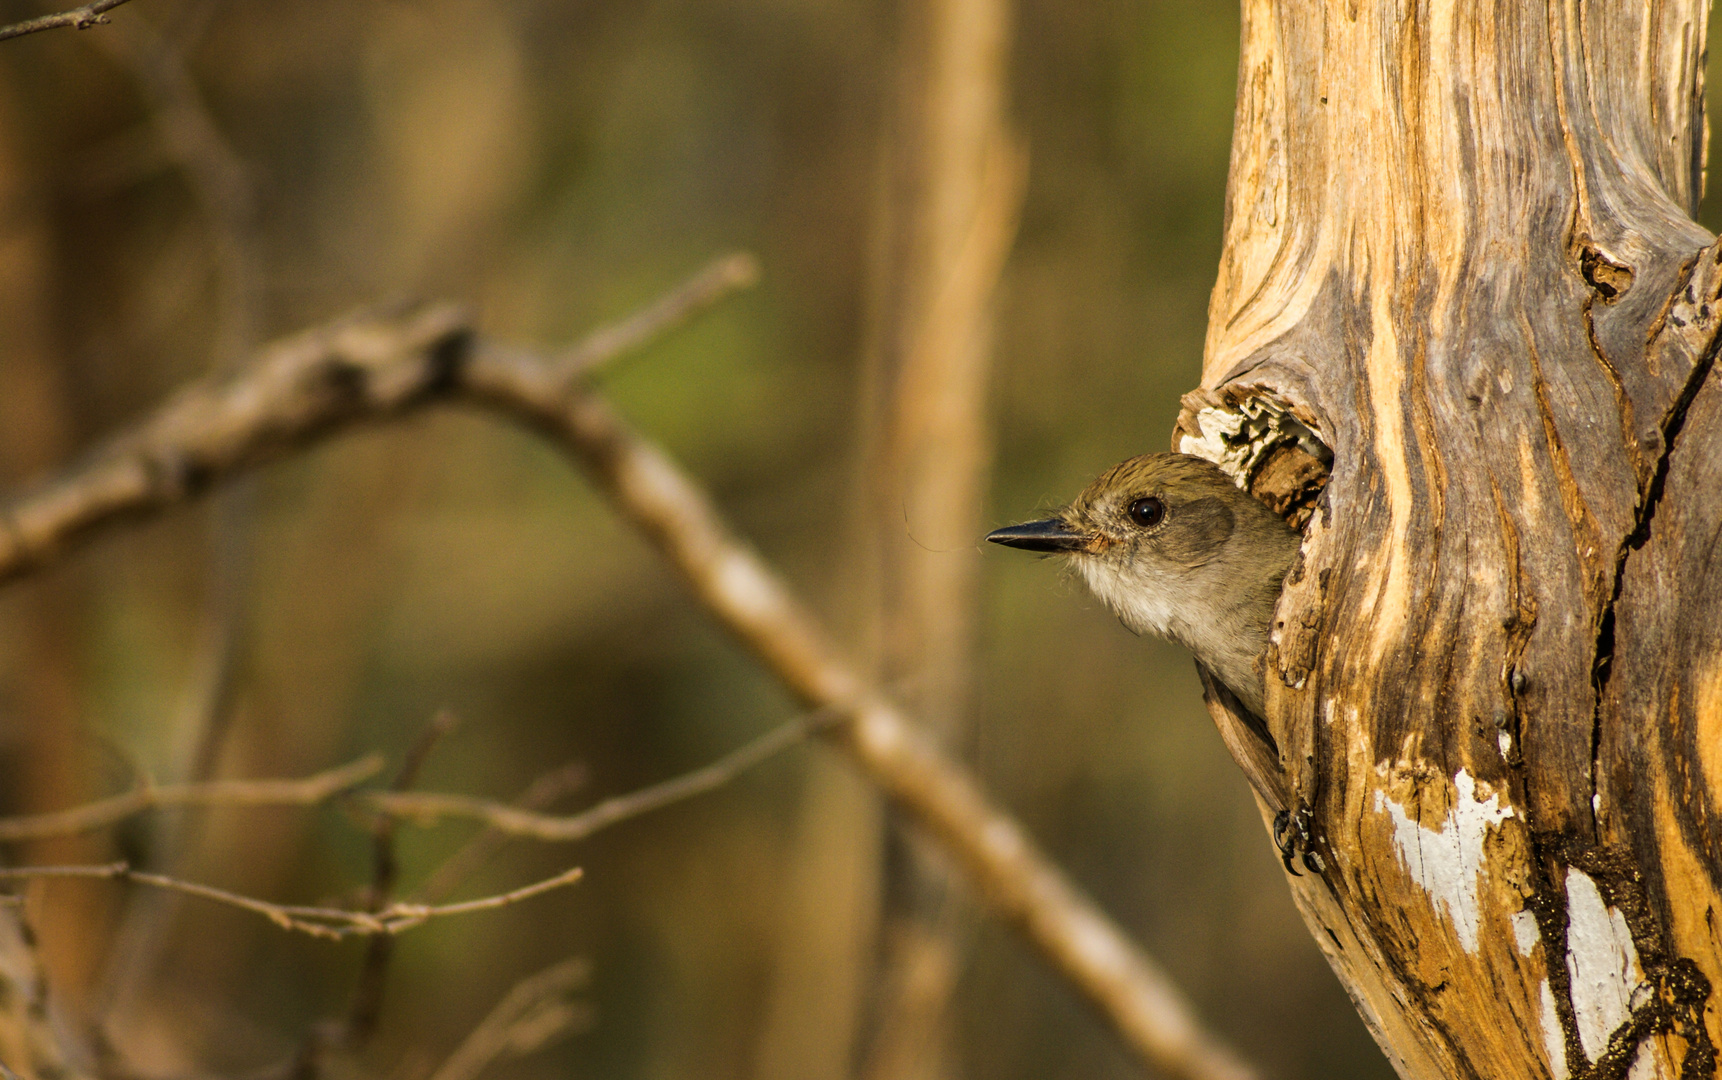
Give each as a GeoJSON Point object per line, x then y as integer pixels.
{"type": "Point", "coordinates": [1049, 535]}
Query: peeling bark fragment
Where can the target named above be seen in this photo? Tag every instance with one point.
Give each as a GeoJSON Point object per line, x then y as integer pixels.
{"type": "Point", "coordinates": [1272, 450]}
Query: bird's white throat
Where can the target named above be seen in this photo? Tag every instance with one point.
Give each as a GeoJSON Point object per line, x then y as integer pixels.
{"type": "Point", "coordinates": [1147, 602]}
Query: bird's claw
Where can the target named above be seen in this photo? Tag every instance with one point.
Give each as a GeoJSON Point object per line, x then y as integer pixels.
{"type": "Point", "coordinates": [1292, 837]}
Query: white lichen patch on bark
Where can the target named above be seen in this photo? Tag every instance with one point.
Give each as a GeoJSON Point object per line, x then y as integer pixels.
{"type": "Point", "coordinates": [1648, 1064]}
{"type": "Point", "coordinates": [1527, 935]}
{"type": "Point", "coordinates": [1554, 1042]}
{"type": "Point", "coordinates": [1447, 861]}
{"type": "Point", "coordinates": [1525, 931]}
{"type": "Point", "coordinates": [1603, 964]}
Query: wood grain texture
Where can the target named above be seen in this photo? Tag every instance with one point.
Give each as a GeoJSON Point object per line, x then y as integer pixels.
{"type": "Point", "coordinates": [1459, 250]}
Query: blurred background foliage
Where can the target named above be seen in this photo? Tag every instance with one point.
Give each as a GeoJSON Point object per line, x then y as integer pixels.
{"type": "Point", "coordinates": [556, 163]}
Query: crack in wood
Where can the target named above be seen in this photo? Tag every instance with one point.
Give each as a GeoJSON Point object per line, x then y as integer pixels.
{"type": "Point", "coordinates": [1650, 498]}
{"type": "Point", "coordinates": [1679, 988]}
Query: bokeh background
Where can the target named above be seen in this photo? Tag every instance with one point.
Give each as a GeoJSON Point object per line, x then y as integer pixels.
{"type": "Point", "coordinates": [556, 163]}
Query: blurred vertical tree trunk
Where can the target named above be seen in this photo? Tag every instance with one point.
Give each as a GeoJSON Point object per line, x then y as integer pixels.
{"type": "Point", "coordinates": [951, 180]}
{"type": "Point", "coordinates": [1459, 249]}
{"type": "Point", "coordinates": [44, 744]}
{"type": "Point", "coordinates": [180, 123]}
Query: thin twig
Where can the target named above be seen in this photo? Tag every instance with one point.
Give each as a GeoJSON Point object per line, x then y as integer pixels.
{"type": "Point", "coordinates": [719, 279]}
{"type": "Point", "coordinates": [98, 815]}
{"type": "Point", "coordinates": [384, 868]}
{"type": "Point", "coordinates": [328, 923]}
{"type": "Point", "coordinates": [93, 14]}
{"type": "Point", "coordinates": [366, 1006]}
{"type": "Point", "coordinates": [534, 1011]}
{"type": "Point", "coordinates": [541, 794]}
{"type": "Point", "coordinates": [426, 807]}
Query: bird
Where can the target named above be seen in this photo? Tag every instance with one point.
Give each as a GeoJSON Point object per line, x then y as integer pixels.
{"type": "Point", "coordinates": [1174, 547]}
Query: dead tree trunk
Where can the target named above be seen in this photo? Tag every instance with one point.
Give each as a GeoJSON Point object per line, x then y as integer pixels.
{"type": "Point", "coordinates": [1465, 326]}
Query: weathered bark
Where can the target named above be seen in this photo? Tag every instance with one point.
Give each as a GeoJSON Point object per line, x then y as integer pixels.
{"type": "Point", "coordinates": [1462, 288]}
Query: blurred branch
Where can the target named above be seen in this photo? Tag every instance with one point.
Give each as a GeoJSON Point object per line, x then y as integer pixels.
{"type": "Point", "coordinates": [333, 376]}
{"type": "Point", "coordinates": [370, 368]}
{"type": "Point", "coordinates": [219, 179]}
{"type": "Point", "coordinates": [532, 1013]}
{"type": "Point", "coordinates": [720, 278]}
{"type": "Point", "coordinates": [955, 176]}
{"type": "Point", "coordinates": [83, 18]}
{"type": "Point", "coordinates": [362, 368]}
{"type": "Point", "coordinates": [329, 923]}
{"type": "Point", "coordinates": [97, 815]}
{"type": "Point", "coordinates": [541, 794]}
{"type": "Point", "coordinates": [425, 807]}
{"type": "Point", "coordinates": [366, 1006]}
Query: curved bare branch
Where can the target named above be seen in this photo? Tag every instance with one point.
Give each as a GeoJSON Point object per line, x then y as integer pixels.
{"type": "Point", "coordinates": [367, 369]}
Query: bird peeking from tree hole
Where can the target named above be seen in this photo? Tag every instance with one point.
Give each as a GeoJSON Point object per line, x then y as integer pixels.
{"type": "Point", "coordinates": [1173, 547]}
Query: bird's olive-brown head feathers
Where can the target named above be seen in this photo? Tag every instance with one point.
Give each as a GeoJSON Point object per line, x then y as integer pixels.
{"type": "Point", "coordinates": [1171, 545]}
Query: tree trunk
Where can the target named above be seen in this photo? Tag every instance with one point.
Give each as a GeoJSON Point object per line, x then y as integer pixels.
{"type": "Point", "coordinates": [950, 188]}
{"type": "Point", "coordinates": [1465, 328]}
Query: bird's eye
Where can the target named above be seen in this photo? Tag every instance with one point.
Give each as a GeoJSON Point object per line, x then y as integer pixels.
{"type": "Point", "coordinates": [1147, 512]}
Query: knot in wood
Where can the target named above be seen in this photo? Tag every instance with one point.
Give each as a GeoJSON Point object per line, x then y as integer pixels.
{"type": "Point", "coordinates": [1611, 280]}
